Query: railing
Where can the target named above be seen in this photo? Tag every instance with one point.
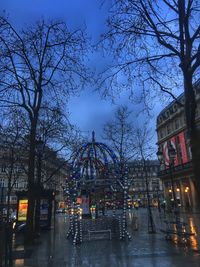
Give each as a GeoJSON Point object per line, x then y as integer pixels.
{"type": "Point", "coordinates": [179, 168]}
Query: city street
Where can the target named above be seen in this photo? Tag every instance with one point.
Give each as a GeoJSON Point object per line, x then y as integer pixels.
{"type": "Point", "coordinates": [100, 133]}
{"type": "Point", "coordinates": [149, 250]}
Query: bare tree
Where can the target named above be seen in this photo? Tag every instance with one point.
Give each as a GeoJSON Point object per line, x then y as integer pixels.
{"type": "Point", "coordinates": [143, 141]}
{"type": "Point", "coordinates": [119, 132]}
{"type": "Point", "coordinates": [42, 63]}
{"type": "Point", "coordinates": [56, 137]}
{"type": "Point", "coordinates": [157, 46]}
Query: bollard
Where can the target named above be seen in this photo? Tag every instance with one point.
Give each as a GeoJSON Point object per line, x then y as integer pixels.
{"type": "Point", "coordinates": [2, 244]}
{"type": "Point", "coordinates": [8, 244]}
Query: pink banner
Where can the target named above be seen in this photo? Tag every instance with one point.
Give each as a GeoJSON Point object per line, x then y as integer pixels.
{"type": "Point", "coordinates": [183, 148]}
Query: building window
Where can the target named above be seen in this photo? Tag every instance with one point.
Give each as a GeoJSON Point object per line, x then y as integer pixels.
{"type": "Point", "coordinates": [2, 182]}
{"type": "Point", "coordinates": [13, 198]}
{"type": "Point", "coordinates": [187, 143]}
{"type": "Point", "coordinates": [3, 168]}
{"type": "Point", "coordinates": [25, 184]}
{"type": "Point", "coordinates": [175, 108]}
{"type": "Point", "coordinates": [168, 129]}
{"type": "Point", "coordinates": [177, 124]}
{"type": "Point", "coordinates": [16, 184]}
{"type": "Point", "coordinates": [161, 134]}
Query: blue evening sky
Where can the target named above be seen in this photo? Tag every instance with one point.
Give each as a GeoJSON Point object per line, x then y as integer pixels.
{"type": "Point", "coordinates": [88, 110]}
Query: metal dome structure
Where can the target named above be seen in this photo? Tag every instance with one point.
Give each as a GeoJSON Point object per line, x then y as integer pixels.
{"type": "Point", "coordinates": [94, 161]}
{"type": "Point", "coordinates": [94, 168]}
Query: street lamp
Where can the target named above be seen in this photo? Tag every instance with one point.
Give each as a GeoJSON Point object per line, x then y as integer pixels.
{"type": "Point", "coordinates": [172, 156]}
{"type": "Point", "coordinates": [39, 151]}
{"type": "Point", "coordinates": [1, 202]}
{"type": "Point", "coordinates": [187, 189]}
{"type": "Point", "coordinates": [158, 198]}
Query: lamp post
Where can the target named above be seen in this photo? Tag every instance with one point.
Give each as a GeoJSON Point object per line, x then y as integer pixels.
{"type": "Point", "coordinates": [39, 151]}
{"type": "Point", "coordinates": [1, 203]}
{"type": "Point", "coordinates": [172, 156]}
{"type": "Point", "coordinates": [188, 204]}
{"type": "Point", "coordinates": [151, 224]}
{"type": "Point", "coordinates": [158, 198]}
{"type": "Point", "coordinates": [2, 245]}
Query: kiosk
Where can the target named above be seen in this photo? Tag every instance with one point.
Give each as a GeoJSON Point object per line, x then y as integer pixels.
{"type": "Point", "coordinates": [93, 192]}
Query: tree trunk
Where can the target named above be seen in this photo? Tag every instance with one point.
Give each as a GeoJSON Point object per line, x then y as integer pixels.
{"type": "Point", "coordinates": [38, 195]}
{"type": "Point", "coordinates": [193, 131]}
{"type": "Point", "coordinates": [31, 183]}
{"type": "Point", "coordinates": [195, 149]}
{"type": "Point", "coordinates": [8, 203]}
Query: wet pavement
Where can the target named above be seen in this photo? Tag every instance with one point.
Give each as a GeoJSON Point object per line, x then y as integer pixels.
{"type": "Point", "coordinates": [149, 250]}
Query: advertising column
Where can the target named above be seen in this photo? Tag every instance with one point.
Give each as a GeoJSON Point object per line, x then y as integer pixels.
{"type": "Point", "coordinates": [22, 210]}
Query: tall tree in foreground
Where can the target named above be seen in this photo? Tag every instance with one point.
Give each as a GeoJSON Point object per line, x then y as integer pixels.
{"type": "Point", "coordinates": [157, 45]}
{"type": "Point", "coordinates": [41, 63]}
{"type": "Point", "coordinates": [55, 137]}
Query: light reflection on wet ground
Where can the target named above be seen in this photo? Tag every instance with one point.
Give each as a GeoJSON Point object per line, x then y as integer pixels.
{"type": "Point", "coordinates": [149, 250]}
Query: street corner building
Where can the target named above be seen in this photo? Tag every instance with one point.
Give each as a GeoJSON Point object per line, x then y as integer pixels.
{"type": "Point", "coordinates": [172, 132]}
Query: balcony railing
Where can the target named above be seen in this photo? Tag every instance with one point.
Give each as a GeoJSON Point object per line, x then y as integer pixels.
{"type": "Point", "coordinates": [176, 169]}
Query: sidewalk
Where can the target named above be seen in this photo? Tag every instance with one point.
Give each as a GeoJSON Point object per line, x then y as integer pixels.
{"type": "Point", "coordinates": [148, 250]}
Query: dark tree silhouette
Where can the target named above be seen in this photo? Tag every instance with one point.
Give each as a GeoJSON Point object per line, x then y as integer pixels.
{"type": "Point", "coordinates": [41, 63]}
{"type": "Point", "coordinates": [156, 44]}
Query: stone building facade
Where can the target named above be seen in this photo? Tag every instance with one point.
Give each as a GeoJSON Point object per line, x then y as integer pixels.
{"type": "Point", "coordinates": [171, 130]}
{"type": "Point", "coordinates": [138, 182]}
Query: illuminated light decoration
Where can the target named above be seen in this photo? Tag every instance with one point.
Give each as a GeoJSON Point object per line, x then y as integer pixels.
{"type": "Point", "coordinates": [94, 162]}
{"type": "Point", "coordinates": [187, 189]}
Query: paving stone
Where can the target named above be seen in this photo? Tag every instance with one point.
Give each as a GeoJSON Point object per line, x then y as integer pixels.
{"type": "Point", "coordinates": [148, 250]}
